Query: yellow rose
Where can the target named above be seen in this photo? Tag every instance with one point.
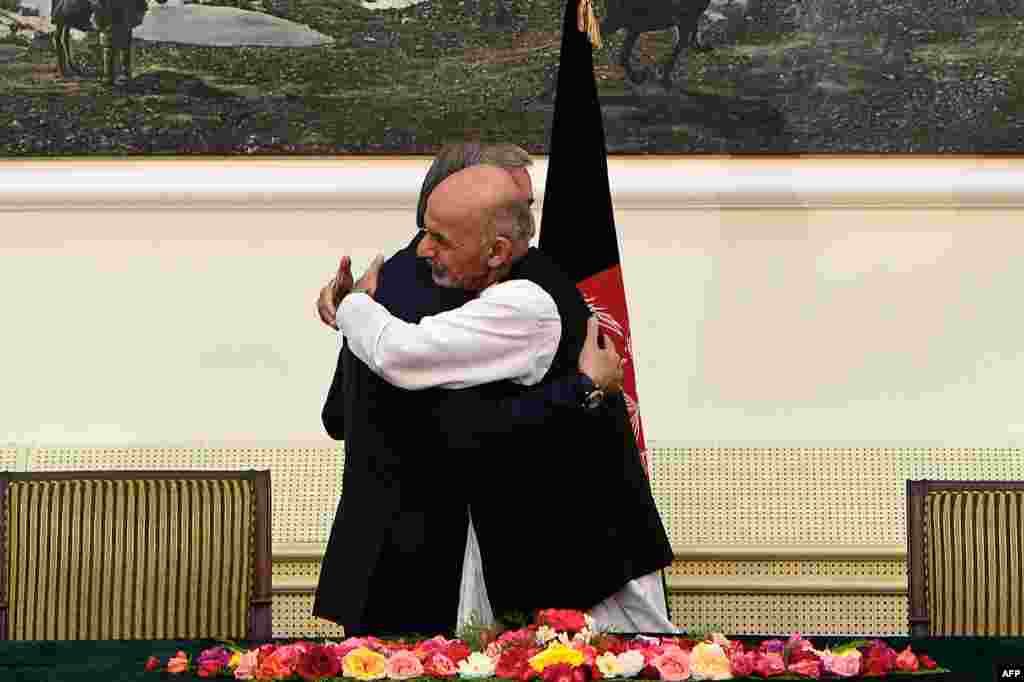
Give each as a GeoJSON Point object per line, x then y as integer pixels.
{"type": "Point", "coordinates": [363, 664]}
{"type": "Point", "coordinates": [709, 662]}
{"type": "Point", "coordinates": [556, 653]}
{"type": "Point", "coordinates": [235, 660]}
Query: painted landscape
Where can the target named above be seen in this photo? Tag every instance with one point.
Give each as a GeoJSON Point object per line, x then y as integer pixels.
{"type": "Point", "coordinates": [327, 77]}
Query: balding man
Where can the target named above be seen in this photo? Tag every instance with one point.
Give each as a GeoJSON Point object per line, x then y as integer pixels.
{"type": "Point", "coordinates": [524, 327]}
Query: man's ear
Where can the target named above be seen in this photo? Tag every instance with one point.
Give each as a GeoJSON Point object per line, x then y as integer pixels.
{"type": "Point", "coordinates": [501, 252]}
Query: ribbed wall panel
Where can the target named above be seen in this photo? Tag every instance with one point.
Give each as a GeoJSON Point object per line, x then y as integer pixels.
{"type": "Point", "coordinates": [130, 559]}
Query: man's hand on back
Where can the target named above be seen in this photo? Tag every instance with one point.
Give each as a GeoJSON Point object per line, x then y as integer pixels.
{"type": "Point", "coordinates": [602, 365]}
{"type": "Point", "coordinates": [332, 293]}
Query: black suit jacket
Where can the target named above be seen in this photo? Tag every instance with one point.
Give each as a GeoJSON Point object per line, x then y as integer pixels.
{"type": "Point", "coordinates": [394, 558]}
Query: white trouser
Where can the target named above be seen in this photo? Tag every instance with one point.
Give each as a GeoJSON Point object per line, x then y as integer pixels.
{"type": "Point", "coordinates": [637, 607]}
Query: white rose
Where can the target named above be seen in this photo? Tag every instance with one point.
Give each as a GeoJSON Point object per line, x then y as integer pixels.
{"type": "Point", "coordinates": [545, 634]}
{"type": "Point", "coordinates": [609, 665]}
{"type": "Point", "coordinates": [476, 666]}
{"type": "Point", "coordinates": [583, 636]}
{"type": "Point", "coordinates": [631, 662]}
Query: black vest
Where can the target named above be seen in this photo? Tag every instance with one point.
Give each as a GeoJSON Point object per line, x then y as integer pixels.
{"type": "Point", "coordinates": [563, 511]}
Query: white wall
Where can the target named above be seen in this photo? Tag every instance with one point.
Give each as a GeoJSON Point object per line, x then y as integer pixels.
{"type": "Point", "coordinates": [177, 316]}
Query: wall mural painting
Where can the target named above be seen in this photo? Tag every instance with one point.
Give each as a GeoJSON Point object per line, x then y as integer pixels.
{"type": "Point", "coordinates": [102, 78]}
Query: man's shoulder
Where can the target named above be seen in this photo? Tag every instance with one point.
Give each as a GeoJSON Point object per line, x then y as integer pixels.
{"type": "Point", "coordinates": [538, 267]}
{"type": "Point", "coordinates": [406, 254]}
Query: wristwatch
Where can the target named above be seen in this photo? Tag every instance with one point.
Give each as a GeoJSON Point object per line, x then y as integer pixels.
{"type": "Point", "coordinates": [591, 395]}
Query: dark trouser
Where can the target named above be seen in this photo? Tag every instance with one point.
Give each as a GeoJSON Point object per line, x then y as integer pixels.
{"type": "Point", "coordinates": [415, 586]}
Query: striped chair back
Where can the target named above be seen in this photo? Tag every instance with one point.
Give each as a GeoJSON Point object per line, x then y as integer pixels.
{"type": "Point", "coordinates": [100, 555]}
{"type": "Point", "coordinates": [965, 558]}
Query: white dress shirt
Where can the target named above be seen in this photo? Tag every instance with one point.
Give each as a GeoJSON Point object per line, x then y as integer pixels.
{"type": "Point", "coordinates": [511, 331]}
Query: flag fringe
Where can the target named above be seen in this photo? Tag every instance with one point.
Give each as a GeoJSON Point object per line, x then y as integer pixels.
{"type": "Point", "coordinates": [586, 22]}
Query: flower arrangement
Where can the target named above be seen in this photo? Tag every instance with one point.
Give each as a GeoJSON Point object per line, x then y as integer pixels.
{"type": "Point", "coordinates": [560, 646]}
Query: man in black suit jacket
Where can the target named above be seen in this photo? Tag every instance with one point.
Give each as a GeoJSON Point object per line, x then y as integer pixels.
{"type": "Point", "coordinates": [394, 558]}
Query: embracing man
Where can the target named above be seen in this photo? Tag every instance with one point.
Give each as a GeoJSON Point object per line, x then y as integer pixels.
{"type": "Point", "coordinates": [477, 359]}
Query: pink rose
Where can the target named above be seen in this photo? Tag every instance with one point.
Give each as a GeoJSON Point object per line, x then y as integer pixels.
{"type": "Point", "coordinates": [152, 663]}
{"type": "Point", "coordinates": [429, 647]}
{"type": "Point", "coordinates": [673, 664]}
{"type": "Point", "coordinates": [808, 667]}
{"type": "Point", "coordinates": [769, 664]}
{"type": "Point", "coordinates": [589, 652]}
{"type": "Point", "coordinates": [247, 665]}
{"type": "Point", "coordinates": [378, 645]}
{"type": "Point", "coordinates": [907, 661]}
{"type": "Point", "coordinates": [403, 665]}
{"type": "Point", "coordinates": [844, 666]}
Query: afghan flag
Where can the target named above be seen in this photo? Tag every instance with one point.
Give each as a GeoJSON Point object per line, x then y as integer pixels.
{"type": "Point", "coordinates": [577, 194]}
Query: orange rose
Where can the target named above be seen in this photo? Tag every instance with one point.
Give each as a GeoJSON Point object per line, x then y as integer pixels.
{"type": "Point", "coordinates": [178, 664]}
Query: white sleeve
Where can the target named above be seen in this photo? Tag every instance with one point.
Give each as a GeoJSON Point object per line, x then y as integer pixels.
{"type": "Point", "coordinates": [511, 331]}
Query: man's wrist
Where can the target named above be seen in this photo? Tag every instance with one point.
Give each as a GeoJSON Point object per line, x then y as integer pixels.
{"type": "Point", "coordinates": [589, 394]}
{"type": "Point", "coordinates": [353, 290]}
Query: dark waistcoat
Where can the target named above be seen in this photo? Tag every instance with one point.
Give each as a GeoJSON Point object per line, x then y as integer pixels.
{"type": "Point", "coordinates": [564, 512]}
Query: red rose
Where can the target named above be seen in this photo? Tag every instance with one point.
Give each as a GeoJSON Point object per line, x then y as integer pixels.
{"type": "Point", "coordinates": [767, 665]}
{"type": "Point", "coordinates": [562, 619]}
{"type": "Point", "coordinates": [209, 668]}
{"type": "Point", "coordinates": [439, 665]}
{"type": "Point", "coordinates": [457, 651]}
{"type": "Point", "coordinates": [152, 663]}
{"type": "Point", "coordinates": [521, 637]}
{"type": "Point", "coordinates": [318, 662]}
{"type": "Point", "coordinates": [879, 660]}
{"type": "Point", "coordinates": [800, 655]}
{"type": "Point", "coordinates": [514, 664]}
{"type": "Point", "coordinates": [649, 673]}
{"type": "Point", "coordinates": [927, 662]}
{"type": "Point", "coordinates": [558, 672]}
{"type": "Point", "coordinates": [613, 644]}
{"type": "Point", "coordinates": [906, 661]}
{"type": "Point", "coordinates": [742, 664]}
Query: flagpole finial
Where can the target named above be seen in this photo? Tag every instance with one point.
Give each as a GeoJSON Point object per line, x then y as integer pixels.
{"type": "Point", "coordinates": [586, 22]}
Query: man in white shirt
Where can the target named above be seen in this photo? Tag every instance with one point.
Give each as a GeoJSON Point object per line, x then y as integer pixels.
{"type": "Point", "coordinates": [525, 326]}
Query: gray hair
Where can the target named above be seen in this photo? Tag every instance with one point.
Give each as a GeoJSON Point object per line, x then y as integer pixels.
{"type": "Point", "coordinates": [511, 219]}
{"type": "Point", "coordinates": [461, 155]}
